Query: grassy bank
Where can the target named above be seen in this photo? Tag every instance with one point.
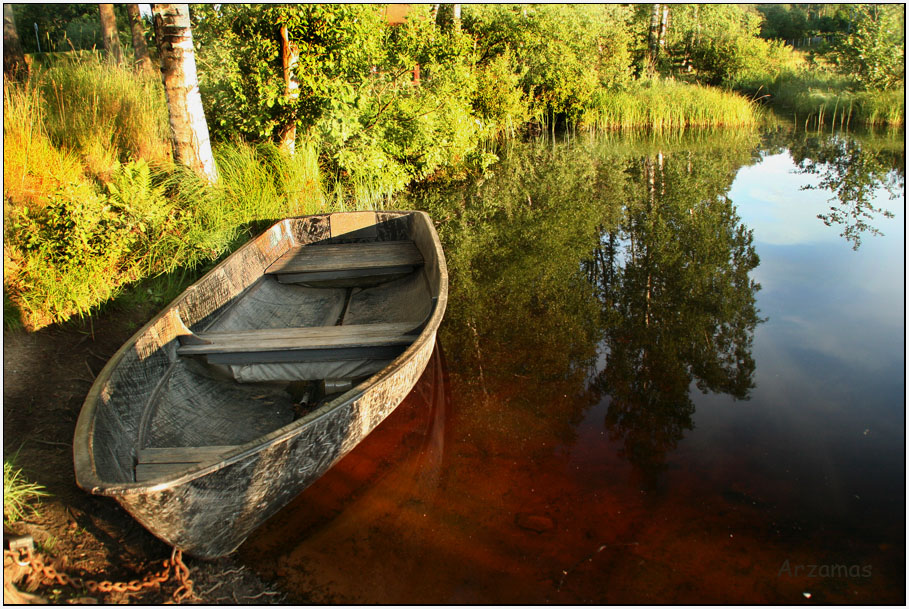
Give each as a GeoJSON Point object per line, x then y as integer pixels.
{"type": "Point", "coordinates": [819, 98]}
{"type": "Point", "coordinates": [93, 202]}
{"type": "Point", "coordinates": [95, 207]}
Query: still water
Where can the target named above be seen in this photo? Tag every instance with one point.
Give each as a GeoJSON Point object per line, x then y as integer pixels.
{"type": "Point", "coordinates": [672, 370]}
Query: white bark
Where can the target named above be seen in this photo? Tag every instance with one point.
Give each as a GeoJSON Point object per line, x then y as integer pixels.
{"type": "Point", "coordinates": [189, 129]}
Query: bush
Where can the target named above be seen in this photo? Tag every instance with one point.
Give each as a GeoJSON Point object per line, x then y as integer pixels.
{"type": "Point", "coordinates": [499, 100]}
{"type": "Point", "coordinates": [563, 53]}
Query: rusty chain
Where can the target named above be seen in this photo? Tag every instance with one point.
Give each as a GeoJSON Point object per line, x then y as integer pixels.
{"type": "Point", "coordinates": [48, 573]}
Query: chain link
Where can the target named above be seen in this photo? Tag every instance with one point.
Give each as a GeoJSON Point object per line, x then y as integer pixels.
{"type": "Point", "coordinates": [48, 573]}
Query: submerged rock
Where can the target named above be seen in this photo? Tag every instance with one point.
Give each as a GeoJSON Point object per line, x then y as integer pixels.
{"type": "Point", "coordinates": [534, 522]}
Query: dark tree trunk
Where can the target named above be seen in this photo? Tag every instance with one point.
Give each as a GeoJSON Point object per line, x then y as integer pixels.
{"type": "Point", "coordinates": [140, 49]}
{"type": "Point", "coordinates": [14, 66]}
{"type": "Point", "coordinates": [189, 130]}
{"type": "Point", "coordinates": [109, 32]}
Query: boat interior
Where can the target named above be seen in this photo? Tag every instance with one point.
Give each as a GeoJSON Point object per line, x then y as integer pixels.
{"type": "Point", "coordinates": [322, 317]}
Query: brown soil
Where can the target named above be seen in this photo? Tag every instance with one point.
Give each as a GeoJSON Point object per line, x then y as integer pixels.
{"type": "Point", "coordinates": [46, 376]}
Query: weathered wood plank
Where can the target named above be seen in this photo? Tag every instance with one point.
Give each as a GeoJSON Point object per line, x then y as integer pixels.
{"type": "Point", "coordinates": [164, 462]}
{"type": "Point", "coordinates": [302, 339]}
{"type": "Point", "coordinates": [327, 277]}
{"type": "Point", "coordinates": [181, 454]}
{"type": "Point", "coordinates": [347, 257]}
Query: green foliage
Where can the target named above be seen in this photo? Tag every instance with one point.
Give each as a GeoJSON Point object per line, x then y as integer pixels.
{"type": "Point", "coordinates": [795, 22]}
{"type": "Point", "coordinates": [66, 27]}
{"type": "Point", "coordinates": [873, 52]}
{"type": "Point", "coordinates": [242, 44]}
{"type": "Point", "coordinates": [19, 495]}
{"type": "Point", "coordinates": [562, 53]}
{"type": "Point", "coordinates": [499, 100]}
{"type": "Point", "coordinates": [715, 40]}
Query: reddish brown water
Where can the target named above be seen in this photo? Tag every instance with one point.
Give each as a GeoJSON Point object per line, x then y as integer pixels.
{"type": "Point", "coordinates": [627, 445]}
{"type": "Point", "coordinates": [424, 512]}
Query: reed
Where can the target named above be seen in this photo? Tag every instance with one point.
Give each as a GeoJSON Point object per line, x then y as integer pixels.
{"type": "Point", "coordinates": [667, 105]}
{"type": "Point", "coordinates": [822, 98]}
{"type": "Point", "coordinates": [32, 165]}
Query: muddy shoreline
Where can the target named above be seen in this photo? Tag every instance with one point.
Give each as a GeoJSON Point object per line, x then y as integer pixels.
{"type": "Point", "coordinates": [46, 376]}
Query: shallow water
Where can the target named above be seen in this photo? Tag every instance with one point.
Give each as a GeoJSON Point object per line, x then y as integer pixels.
{"type": "Point", "coordinates": [661, 379]}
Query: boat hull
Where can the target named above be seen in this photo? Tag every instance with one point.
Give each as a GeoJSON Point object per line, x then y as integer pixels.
{"type": "Point", "coordinates": [212, 514]}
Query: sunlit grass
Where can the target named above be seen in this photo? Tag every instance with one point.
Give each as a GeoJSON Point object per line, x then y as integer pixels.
{"type": "Point", "coordinates": [99, 109]}
{"type": "Point", "coordinates": [667, 104]}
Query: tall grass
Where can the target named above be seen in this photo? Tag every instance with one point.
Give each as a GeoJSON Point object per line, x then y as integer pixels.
{"type": "Point", "coordinates": [32, 165]}
{"type": "Point", "coordinates": [102, 110]}
{"type": "Point", "coordinates": [669, 104]}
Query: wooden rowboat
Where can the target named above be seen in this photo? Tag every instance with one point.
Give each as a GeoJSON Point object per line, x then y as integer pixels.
{"type": "Point", "coordinates": [263, 374]}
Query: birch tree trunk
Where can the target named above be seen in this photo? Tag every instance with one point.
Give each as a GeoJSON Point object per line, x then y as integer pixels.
{"type": "Point", "coordinates": [14, 66]}
{"type": "Point", "coordinates": [189, 130]}
{"type": "Point", "coordinates": [664, 27]}
{"type": "Point", "coordinates": [290, 55]}
{"type": "Point", "coordinates": [140, 49]}
{"type": "Point", "coordinates": [109, 33]}
{"type": "Point", "coordinates": [653, 39]}
{"type": "Point", "coordinates": [456, 17]}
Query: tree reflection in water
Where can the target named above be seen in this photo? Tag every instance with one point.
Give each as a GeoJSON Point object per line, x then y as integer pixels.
{"type": "Point", "coordinates": [854, 169]}
{"type": "Point", "coordinates": [666, 289]}
{"type": "Point", "coordinates": [678, 303]}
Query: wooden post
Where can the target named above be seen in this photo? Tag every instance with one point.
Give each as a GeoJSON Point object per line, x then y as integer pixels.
{"type": "Point", "coordinates": [189, 130]}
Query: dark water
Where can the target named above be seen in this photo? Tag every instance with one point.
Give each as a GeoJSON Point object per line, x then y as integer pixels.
{"type": "Point", "coordinates": [662, 378]}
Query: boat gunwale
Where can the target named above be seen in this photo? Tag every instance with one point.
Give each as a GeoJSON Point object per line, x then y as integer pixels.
{"type": "Point", "coordinates": [83, 442]}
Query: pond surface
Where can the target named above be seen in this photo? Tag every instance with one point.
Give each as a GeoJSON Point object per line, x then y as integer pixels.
{"type": "Point", "coordinates": [672, 370]}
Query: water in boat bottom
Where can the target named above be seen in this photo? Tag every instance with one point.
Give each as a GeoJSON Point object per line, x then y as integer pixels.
{"type": "Point", "coordinates": [662, 378]}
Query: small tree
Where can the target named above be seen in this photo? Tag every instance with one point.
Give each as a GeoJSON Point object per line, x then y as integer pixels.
{"type": "Point", "coordinates": [189, 129]}
{"type": "Point", "coordinates": [874, 51]}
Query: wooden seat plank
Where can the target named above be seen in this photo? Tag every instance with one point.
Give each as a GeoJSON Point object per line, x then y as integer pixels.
{"type": "Point", "coordinates": [301, 339]}
{"type": "Point", "coordinates": [162, 462]}
{"type": "Point", "coordinates": [347, 258]}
